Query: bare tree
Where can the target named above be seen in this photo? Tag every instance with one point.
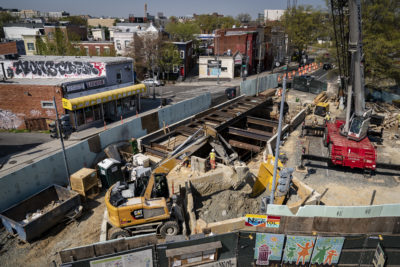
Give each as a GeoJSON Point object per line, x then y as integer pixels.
{"type": "Point", "coordinates": [145, 49]}
{"type": "Point", "coordinates": [243, 17]}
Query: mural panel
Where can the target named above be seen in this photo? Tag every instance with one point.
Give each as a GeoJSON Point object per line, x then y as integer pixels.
{"type": "Point", "coordinates": [52, 69]}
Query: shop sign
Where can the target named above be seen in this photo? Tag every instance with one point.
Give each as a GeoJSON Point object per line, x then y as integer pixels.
{"type": "Point", "coordinates": [75, 87]}
{"type": "Point", "coordinates": [95, 83]}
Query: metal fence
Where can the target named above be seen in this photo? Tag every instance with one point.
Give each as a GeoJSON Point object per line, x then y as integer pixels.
{"type": "Point", "coordinates": [308, 85]}
{"type": "Point", "coordinates": [243, 248]}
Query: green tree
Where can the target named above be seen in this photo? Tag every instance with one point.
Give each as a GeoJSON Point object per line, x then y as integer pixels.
{"type": "Point", "coordinates": [182, 31]}
{"type": "Point", "coordinates": [169, 57]}
{"type": "Point", "coordinates": [381, 39]}
{"type": "Point", "coordinates": [303, 25]}
{"type": "Point", "coordinates": [75, 20]}
{"type": "Point", "coordinates": [209, 23]}
{"type": "Point", "coordinates": [5, 18]}
{"type": "Point", "coordinates": [41, 46]}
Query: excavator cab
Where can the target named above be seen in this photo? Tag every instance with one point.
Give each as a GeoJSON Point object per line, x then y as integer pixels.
{"type": "Point", "coordinates": [321, 109]}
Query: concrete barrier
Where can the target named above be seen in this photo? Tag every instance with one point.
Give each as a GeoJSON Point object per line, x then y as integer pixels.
{"type": "Point", "coordinates": [50, 169]}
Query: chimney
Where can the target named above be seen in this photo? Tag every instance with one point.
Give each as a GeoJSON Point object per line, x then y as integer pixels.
{"type": "Point", "coordinates": [145, 10]}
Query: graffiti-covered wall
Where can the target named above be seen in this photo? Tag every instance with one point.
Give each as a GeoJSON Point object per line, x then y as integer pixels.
{"type": "Point", "coordinates": [54, 69]}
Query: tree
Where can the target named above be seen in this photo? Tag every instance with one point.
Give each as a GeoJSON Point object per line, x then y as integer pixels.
{"type": "Point", "coordinates": [381, 39]}
{"type": "Point", "coordinates": [5, 18]}
{"type": "Point", "coordinates": [75, 20]}
{"type": "Point", "coordinates": [145, 50]}
{"type": "Point", "coordinates": [243, 17]}
{"type": "Point", "coordinates": [182, 31]}
{"type": "Point", "coordinates": [209, 23]}
{"type": "Point", "coordinates": [303, 25]}
{"type": "Point", "coordinates": [168, 58]}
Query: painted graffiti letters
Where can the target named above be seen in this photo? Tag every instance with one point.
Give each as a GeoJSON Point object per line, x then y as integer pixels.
{"type": "Point", "coordinates": [51, 69]}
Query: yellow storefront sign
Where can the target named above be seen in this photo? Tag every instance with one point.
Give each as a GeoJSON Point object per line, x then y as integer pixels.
{"type": "Point", "coordinates": [95, 99]}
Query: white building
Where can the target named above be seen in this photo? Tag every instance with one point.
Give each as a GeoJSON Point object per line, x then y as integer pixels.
{"type": "Point", "coordinates": [273, 14]}
{"type": "Point", "coordinates": [122, 34]}
{"type": "Point", "coordinates": [98, 34]}
{"type": "Point", "coordinates": [15, 31]}
{"type": "Point", "coordinates": [210, 67]}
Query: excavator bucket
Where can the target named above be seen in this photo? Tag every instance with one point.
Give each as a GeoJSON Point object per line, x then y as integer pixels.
{"type": "Point", "coordinates": [265, 176]}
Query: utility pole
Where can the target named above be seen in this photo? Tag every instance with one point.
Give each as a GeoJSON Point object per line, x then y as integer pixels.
{"type": "Point", "coordinates": [219, 68]}
{"type": "Point", "coordinates": [59, 126]}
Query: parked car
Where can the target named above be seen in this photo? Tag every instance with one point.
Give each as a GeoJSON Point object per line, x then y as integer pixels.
{"type": "Point", "coordinates": [152, 81]}
{"type": "Point", "coordinates": [327, 66]}
{"type": "Point", "coordinates": [230, 92]}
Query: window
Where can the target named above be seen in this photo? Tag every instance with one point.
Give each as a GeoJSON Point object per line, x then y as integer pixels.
{"type": "Point", "coordinates": [47, 104]}
{"type": "Point", "coordinates": [119, 76]}
{"type": "Point", "coordinates": [118, 44]}
{"type": "Point", "coordinates": [31, 46]}
{"type": "Point", "coordinates": [175, 69]}
{"type": "Point", "coordinates": [182, 54]}
{"type": "Point", "coordinates": [127, 43]}
{"type": "Point", "coordinates": [97, 50]}
{"type": "Point", "coordinates": [50, 35]}
{"type": "Point", "coordinates": [107, 50]}
{"type": "Point", "coordinates": [87, 50]}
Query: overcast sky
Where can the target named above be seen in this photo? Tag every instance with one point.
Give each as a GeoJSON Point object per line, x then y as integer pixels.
{"type": "Point", "coordinates": [122, 8]}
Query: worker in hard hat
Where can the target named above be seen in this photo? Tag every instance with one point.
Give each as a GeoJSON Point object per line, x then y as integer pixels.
{"type": "Point", "coordinates": [328, 117]}
{"type": "Point", "coordinates": [212, 159]}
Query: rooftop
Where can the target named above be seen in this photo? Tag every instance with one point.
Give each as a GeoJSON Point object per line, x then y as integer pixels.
{"type": "Point", "coordinates": [76, 58]}
{"type": "Point", "coordinates": [47, 81]}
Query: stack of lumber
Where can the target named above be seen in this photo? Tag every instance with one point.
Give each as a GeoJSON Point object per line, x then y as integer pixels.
{"type": "Point", "coordinates": [322, 97]}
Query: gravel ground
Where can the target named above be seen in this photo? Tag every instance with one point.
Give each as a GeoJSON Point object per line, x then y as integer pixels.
{"type": "Point", "coordinates": [44, 251]}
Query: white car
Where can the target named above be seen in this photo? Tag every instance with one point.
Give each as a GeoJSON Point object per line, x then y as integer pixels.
{"type": "Point", "coordinates": [151, 81]}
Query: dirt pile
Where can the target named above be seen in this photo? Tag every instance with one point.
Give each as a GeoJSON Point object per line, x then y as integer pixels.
{"type": "Point", "coordinates": [227, 204]}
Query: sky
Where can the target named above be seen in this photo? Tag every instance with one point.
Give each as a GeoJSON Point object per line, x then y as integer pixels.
{"type": "Point", "coordinates": [122, 8]}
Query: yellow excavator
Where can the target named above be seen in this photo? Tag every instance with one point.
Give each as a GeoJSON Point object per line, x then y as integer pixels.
{"type": "Point", "coordinates": [314, 124]}
{"type": "Point", "coordinates": [145, 205]}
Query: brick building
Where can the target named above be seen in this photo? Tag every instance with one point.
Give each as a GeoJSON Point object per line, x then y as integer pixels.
{"type": "Point", "coordinates": [238, 40]}
{"type": "Point", "coordinates": [90, 89]}
{"type": "Point", "coordinates": [186, 54]}
{"type": "Point", "coordinates": [69, 31]}
{"type": "Point", "coordinates": [10, 50]}
{"type": "Point", "coordinates": [93, 48]}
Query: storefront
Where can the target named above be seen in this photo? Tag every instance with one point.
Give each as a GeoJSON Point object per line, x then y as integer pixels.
{"type": "Point", "coordinates": [106, 106]}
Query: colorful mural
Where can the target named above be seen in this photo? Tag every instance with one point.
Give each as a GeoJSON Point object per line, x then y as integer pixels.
{"type": "Point", "coordinates": [298, 249]}
{"type": "Point", "coordinates": [268, 247]}
{"type": "Point", "coordinates": [255, 220]}
{"type": "Point", "coordinates": [54, 69]}
{"type": "Point", "coordinates": [327, 250]}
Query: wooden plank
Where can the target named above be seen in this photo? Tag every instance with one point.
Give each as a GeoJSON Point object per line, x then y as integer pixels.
{"type": "Point", "coordinates": [110, 247]}
{"type": "Point", "coordinates": [299, 224]}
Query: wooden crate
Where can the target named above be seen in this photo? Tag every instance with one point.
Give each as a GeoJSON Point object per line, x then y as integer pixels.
{"type": "Point", "coordinates": [83, 180]}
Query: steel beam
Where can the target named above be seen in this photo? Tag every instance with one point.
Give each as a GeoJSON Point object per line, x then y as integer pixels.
{"type": "Point", "coordinates": [263, 122]}
{"type": "Point", "coordinates": [245, 146]}
{"type": "Point", "coordinates": [248, 134]}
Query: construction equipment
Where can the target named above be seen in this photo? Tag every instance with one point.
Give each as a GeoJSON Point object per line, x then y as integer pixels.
{"type": "Point", "coordinates": [346, 140]}
{"type": "Point", "coordinates": [146, 205]}
{"type": "Point", "coordinates": [264, 180]}
{"type": "Point", "coordinates": [314, 123]}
